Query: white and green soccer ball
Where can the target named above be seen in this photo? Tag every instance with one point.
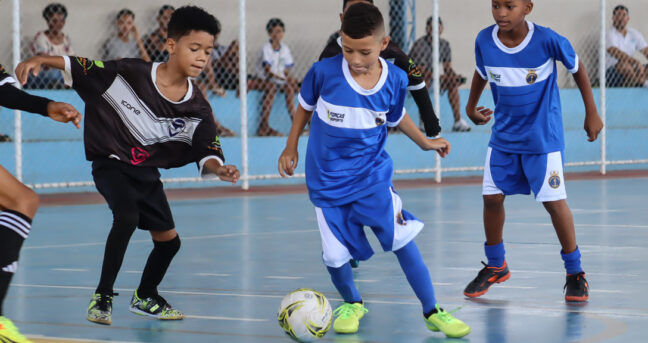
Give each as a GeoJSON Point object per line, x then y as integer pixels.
{"type": "Point", "coordinates": [305, 315]}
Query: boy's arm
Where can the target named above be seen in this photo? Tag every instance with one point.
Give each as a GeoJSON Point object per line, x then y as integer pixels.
{"type": "Point", "coordinates": [227, 173]}
{"type": "Point", "coordinates": [479, 115]}
{"type": "Point", "coordinates": [593, 124]}
{"type": "Point", "coordinates": [289, 157]}
{"type": "Point", "coordinates": [33, 65]}
{"type": "Point", "coordinates": [15, 98]}
{"type": "Point", "coordinates": [441, 145]}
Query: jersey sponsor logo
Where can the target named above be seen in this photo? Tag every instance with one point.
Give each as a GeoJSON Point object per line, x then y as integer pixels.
{"type": "Point", "coordinates": [130, 107]}
{"type": "Point", "coordinates": [138, 155]}
{"type": "Point", "coordinates": [554, 180]}
{"type": "Point", "coordinates": [495, 77]}
{"type": "Point", "coordinates": [335, 116]}
{"type": "Point", "coordinates": [176, 126]}
{"type": "Point", "coordinates": [531, 77]}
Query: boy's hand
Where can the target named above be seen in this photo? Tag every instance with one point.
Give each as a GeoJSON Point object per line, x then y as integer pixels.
{"type": "Point", "coordinates": [288, 162]}
{"type": "Point", "coordinates": [31, 65]}
{"type": "Point", "coordinates": [441, 145]}
{"type": "Point", "coordinates": [593, 125]}
{"type": "Point", "coordinates": [64, 113]}
{"type": "Point", "coordinates": [228, 173]}
{"type": "Point", "coordinates": [480, 115]}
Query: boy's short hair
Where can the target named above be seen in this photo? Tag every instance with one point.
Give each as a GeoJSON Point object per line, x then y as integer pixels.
{"type": "Point", "coordinates": [620, 7]}
{"type": "Point", "coordinates": [362, 20]}
{"type": "Point", "coordinates": [54, 8]}
{"type": "Point", "coordinates": [344, 3]}
{"type": "Point", "coordinates": [191, 18]}
{"type": "Point", "coordinates": [125, 11]}
{"type": "Point", "coordinates": [164, 8]}
{"type": "Point", "coordinates": [274, 22]}
{"type": "Point", "coordinates": [428, 22]}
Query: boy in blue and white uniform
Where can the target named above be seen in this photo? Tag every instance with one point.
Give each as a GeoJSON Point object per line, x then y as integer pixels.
{"type": "Point", "coordinates": [348, 172]}
{"type": "Point", "coordinates": [526, 148]}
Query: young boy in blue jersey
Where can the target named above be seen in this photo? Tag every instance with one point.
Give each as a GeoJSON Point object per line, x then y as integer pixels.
{"type": "Point", "coordinates": [355, 96]}
{"type": "Point", "coordinates": [525, 152]}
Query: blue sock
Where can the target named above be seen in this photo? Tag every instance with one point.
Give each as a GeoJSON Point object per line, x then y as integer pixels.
{"type": "Point", "coordinates": [343, 280]}
{"type": "Point", "coordinates": [417, 275]}
{"type": "Point", "coordinates": [495, 254]}
{"type": "Point", "coordinates": [572, 261]}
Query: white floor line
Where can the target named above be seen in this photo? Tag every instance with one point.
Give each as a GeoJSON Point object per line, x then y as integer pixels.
{"type": "Point", "coordinates": [184, 238]}
{"type": "Point", "coordinates": [133, 272]}
{"type": "Point", "coordinates": [283, 277]}
{"type": "Point", "coordinates": [604, 291]}
{"type": "Point", "coordinates": [365, 281]}
{"type": "Point", "coordinates": [449, 301]}
{"type": "Point", "coordinates": [612, 226]}
{"type": "Point", "coordinates": [62, 339]}
{"type": "Point", "coordinates": [543, 272]}
{"type": "Point", "coordinates": [70, 269]}
{"type": "Point", "coordinates": [516, 287]}
{"type": "Point", "coordinates": [227, 318]}
{"type": "Point", "coordinates": [212, 274]}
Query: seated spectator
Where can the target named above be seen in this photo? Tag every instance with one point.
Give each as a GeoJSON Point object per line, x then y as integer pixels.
{"type": "Point", "coordinates": [623, 70]}
{"type": "Point", "coordinates": [51, 42]}
{"type": "Point", "coordinates": [421, 54]}
{"type": "Point", "coordinates": [155, 41]}
{"type": "Point", "coordinates": [123, 45]}
{"type": "Point", "coordinates": [273, 74]}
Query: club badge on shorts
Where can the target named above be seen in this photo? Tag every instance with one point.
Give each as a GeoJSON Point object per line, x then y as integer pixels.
{"type": "Point", "coordinates": [554, 180]}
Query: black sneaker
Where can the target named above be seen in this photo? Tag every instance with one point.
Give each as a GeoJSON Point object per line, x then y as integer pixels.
{"type": "Point", "coordinates": [487, 277]}
{"type": "Point", "coordinates": [576, 287]}
{"type": "Point", "coordinates": [155, 306]}
{"type": "Point", "coordinates": [100, 308]}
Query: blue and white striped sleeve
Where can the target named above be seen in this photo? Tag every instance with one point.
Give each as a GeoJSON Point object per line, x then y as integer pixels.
{"type": "Point", "coordinates": [563, 51]}
{"type": "Point", "coordinates": [310, 88]}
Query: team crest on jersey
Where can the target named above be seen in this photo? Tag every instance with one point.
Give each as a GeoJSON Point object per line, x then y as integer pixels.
{"type": "Point", "coordinates": [495, 77]}
{"type": "Point", "coordinates": [379, 121]}
{"type": "Point", "coordinates": [87, 64]}
{"type": "Point", "coordinates": [531, 77]}
{"type": "Point", "coordinates": [414, 70]}
{"type": "Point", "coordinates": [334, 116]}
{"type": "Point", "coordinates": [176, 126]}
{"type": "Point", "coordinates": [554, 180]}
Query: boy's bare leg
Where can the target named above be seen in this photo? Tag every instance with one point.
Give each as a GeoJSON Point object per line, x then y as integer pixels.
{"type": "Point", "coordinates": [494, 216]}
{"type": "Point", "coordinates": [289, 90]}
{"type": "Point", "coordinates": [269, 92]}
{"type": "Point", "coordinates": [563, 223]}
{"type": "Point", "coordinates": [453, 96]}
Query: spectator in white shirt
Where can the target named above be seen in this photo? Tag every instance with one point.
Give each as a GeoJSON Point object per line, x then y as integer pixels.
{"type": "Point", "coordinates": [623, 42]}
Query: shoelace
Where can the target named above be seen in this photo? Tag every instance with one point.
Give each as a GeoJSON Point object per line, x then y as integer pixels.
{"type": "Point", "coordinates": [347, 309]}
{"type": "Point", "coordinates": [446, 316]}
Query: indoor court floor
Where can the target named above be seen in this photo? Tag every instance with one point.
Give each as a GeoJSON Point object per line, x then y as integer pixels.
{"type": "Point", "coordinates": [240, 255]}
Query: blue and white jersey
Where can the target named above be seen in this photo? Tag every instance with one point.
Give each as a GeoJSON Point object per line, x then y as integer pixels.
{"type": "Point", "coordinates": [346, 158]}
{"type": "Point", "coordinates": [523, 79]}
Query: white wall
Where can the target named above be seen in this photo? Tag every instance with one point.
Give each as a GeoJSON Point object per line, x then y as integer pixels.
{"type": "Point", "coordinates": [310, 22]}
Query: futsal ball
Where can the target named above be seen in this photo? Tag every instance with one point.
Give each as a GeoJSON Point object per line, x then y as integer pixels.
{"type": "Point", "coordinates": [305, 315]}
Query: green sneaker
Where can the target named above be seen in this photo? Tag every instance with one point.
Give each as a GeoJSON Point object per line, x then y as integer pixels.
{"type": "Point", "coordinates": [446, 323]}
{"type": "Point", "coordinates": [155, 306]}
{"type": "Point", "coordinates": [348, 317]}
{"type": "Point", "coordinates": [9, 332]}
{"type": "Point", "coordinates": [100, 308]}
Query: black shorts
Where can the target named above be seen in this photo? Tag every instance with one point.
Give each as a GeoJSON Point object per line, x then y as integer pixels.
{"type": "Point", "coordinates": [128, 188]}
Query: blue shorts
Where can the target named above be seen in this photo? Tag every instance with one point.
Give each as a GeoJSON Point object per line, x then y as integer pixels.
{"type": "Point", "coordinates": [342, 227]}
{"type": "Point", "coordinates": [510, 173]}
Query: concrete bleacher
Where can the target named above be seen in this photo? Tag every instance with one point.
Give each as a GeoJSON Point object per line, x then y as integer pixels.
{"type": "Point", "coordinates": [54, 152]}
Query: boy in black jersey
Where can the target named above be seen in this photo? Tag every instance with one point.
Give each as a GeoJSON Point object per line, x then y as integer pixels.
{"type": "Point", "coordinates": [18, 203]}
{"type": "Point", "coordinates": [395, 55]}
{"type": "Point", "coordinates": [142, 116]}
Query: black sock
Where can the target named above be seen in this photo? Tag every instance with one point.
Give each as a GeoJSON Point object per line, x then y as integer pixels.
{"type": "Point", "coordinates": [156, 266]}
{"type": "Point", "coordinates": [14, 229]}
{"type": "Point", "coordinates": [123, 227]}
{"type": "Point", "coordinates": [434, 310]}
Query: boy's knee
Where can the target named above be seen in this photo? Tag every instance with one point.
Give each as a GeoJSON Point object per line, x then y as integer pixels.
{"type": "Point", "coordinates": [25, 202]}
{"type": "Point", "coordinates": [555, 207]}
{"type": "Point", "coordinates": [493, 201]}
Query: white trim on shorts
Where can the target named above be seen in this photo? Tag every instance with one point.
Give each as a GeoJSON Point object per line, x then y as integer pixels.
{"type": "Point", "coordinates": [488, 185]}
{"type": "Point", "coordinates": [554, 170]}
{"type": "Point", "coordinates": [334, 253]}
